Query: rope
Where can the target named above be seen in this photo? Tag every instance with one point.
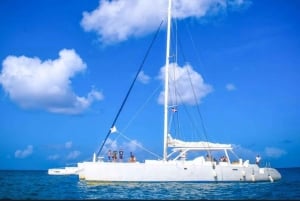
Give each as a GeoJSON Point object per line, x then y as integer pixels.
{"type": "Point", "coordinates": [131, 86]}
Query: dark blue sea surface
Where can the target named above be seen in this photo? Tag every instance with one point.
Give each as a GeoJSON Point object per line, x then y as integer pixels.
{"type": "Point", "coordinates": [39, 185]}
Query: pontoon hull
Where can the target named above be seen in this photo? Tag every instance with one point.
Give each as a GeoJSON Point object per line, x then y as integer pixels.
{"type": "Point", "coordinates": [152, 171]}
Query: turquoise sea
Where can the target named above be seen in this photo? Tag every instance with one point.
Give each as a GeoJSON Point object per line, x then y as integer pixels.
{"type": "Point", "coordinates": [38, 185]}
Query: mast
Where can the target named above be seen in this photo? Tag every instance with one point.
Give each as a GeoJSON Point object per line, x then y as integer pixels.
{"type": "Point", "coordinates": [167, 82]}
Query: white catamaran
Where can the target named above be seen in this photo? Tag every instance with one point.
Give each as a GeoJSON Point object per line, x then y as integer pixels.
{"type": "Point", "coordinates": [176, 165]}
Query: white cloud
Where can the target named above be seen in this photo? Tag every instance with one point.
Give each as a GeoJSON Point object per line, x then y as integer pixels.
{"type": "Point", "coordinates": [185, 85]}
{"type": "Point", "coordinates": [143, 78]}
{"type": "Point", "coordinates": [243, 152]}
{"type": "Point", "coordinates": [274, 152]}
{"type": "Point", "coordinates": [24, 153]}
{"type": "Point", "coordinates": [73, 155]}
{"type": "Point", "coordinates": [53, 157]}
{"type": "Point", "coordinates": [116, 21]}
{"type": "Point", "coordinates": [230, 87]}
{"type": "Point", "coordinates": [271, 152]}
{"type": "Point", "coordinates": [131, 145]}
{"type": "Point", "coordinates": [33, 83]}
{"type": "Point", "coordinates": [111, 144]}
{"type": "Point", "coordinates": [68, 144]}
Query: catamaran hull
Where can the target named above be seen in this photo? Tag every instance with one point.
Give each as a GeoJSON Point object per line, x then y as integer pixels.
{"type": "Point", "coordinates": [63, 171]}
{"type": "Point", "coordinates": [160, 171]}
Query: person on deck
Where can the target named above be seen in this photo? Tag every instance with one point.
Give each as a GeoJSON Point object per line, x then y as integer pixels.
{"type": "Point", "coordinates": [114, 157]}
{"type": "Point", "coordinates": [109, 155]}
{"type": "Point", "coordinates": [257, 159]}
{"type": "Point", "coordinates": [121, 154]}
{"type": "Point", "coordinates": [132, 158]}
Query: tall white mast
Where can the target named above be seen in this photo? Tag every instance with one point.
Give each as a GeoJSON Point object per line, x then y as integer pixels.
{"type": "Point", "coordinates": [167, 82]}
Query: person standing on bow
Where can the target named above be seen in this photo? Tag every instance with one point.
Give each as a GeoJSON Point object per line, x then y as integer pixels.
{"type": "Point", "coordinates": [257, 159]}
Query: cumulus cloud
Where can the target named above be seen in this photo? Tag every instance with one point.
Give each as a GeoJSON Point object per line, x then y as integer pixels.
{"type": "Point", "coordinates": [68, 144]}
{"type": "Point", "coordinates": [53, 157]}
{"type": "Point", "coordinates": [111, 144]}
{"type": "Point", "coordinates": [116, 21]}
{"type": "Point", "coordinates": [73, 155]}
{"type": "Point", "coordinates": [24, 153]}
{"type": "Point", "coordinates": [274, 152]}
{"type": "Point", "coordinates": [66, 149]}
{"type": "Point", "coordinates": [143, 78]}
{"type": "Point", "coordinates": [230, 87]}
{"type": "Point", "coordinates": [33, 83]}
{"type": "Point", "coordinates": [180, 85]}
{"type": "Point", "coordinates": [244, 152]}
{"type": "Point", "coordinates": [131, 145]}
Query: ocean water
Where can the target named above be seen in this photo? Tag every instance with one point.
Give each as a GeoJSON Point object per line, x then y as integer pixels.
{"type": "Point", "coordinates": [38, 185]}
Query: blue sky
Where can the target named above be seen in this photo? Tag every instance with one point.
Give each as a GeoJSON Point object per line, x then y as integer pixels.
{"type": "Point", "coordinates": [67, 65]}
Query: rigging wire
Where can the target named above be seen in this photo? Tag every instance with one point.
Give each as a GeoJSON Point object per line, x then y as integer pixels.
{"type": "Point", "coordinates": [201, 61]}
{"type": "Point", "coordinates": [178, 42]}
{"type": "Point", "coordinates": [141, 108]}
{"type": "Point", "coordinates": [131, 86]}
{"type": "Point", "coordinates": [140, 146]}
{"type": "Point", "coordinates": [194, 93]}
{"type": "Point", "coordinates": [175, 97]}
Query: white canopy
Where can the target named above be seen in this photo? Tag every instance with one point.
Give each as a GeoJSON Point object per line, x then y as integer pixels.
{"type": "Point", "coordinates": [197, 145]}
